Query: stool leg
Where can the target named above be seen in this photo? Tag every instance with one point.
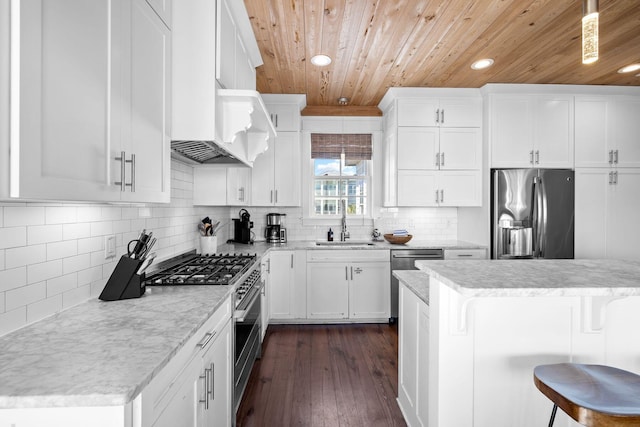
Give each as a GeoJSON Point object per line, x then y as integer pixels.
{"type": "Point", "coordinates": [553, 415]}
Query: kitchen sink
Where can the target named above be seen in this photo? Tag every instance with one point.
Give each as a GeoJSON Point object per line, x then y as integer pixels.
{"type": "Point", "coordinates": [346, 243]}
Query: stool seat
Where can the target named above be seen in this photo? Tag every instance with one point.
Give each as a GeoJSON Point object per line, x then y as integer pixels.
{"type": "Point", "coordinates": [593, 395]}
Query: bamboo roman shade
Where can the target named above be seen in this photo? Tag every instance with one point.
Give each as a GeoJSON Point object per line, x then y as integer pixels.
{"type": "Point", "coordinates": [330, 146]}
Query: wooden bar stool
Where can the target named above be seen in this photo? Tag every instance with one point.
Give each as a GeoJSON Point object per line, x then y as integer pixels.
{"type": "Point", "coordinates": [593, 395]}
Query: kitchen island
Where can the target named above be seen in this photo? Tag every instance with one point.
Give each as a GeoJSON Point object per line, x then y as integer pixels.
{"type": "Point", "coordinates": [489, 323]}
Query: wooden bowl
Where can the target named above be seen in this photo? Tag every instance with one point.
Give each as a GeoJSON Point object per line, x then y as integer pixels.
{"type": "Point", "coordinates": [397, 240]}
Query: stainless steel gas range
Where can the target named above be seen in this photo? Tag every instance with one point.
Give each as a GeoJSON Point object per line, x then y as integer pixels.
{"type": "Point", "coordinates": [242, 271]}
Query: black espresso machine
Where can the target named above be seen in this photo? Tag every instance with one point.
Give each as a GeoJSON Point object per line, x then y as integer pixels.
{"type": "Point", "coordinates": [242, 227]}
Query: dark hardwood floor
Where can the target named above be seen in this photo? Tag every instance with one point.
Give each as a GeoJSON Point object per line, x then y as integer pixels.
{"type": "Point", "coordinates": [324, 375]}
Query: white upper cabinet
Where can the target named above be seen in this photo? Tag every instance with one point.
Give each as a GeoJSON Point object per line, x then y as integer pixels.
{"type": "Point", "coordinates": [216, 185]}
{"type": "Point", "coordinates": [75, 115]}
{"type": "Point", "coordinates": [276, 174]}
{"type": "Point", "coordinates": [607, 131]}
{"type": "Point", "coordinates": [234, 68]}
{"type": "Point", "coordinates": [443, 112]}
{"type": "Point", "coordinates": [531, 130]}
{"type": "Point", "coordinates": [163, 9]}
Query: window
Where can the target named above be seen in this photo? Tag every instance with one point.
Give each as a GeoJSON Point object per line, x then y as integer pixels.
{"type": "Point", "coordinates": [341, 171]}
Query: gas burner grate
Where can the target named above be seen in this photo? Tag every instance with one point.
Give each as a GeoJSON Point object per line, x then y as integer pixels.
{"type": "Point", "coordinates": [222, 269]}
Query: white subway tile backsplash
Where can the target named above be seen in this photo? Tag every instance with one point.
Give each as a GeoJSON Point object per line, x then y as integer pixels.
{"type": "Point", "coordinates": [91, 244]}
{"type": "Point", "coordinates": [13, 278]}
{"type": "Point", "coordinates": [44, 271]}
{"type": "Point", "coordinates": [15, 216]}
{"type": "Point", "coordinates": [89, 275]}
{"type": "Point", "coordinates": [25, 255]}
{"type": "Point", "coordinates": [2, 306]}
{"type": "Point", "coordinates": [25, 295]}
{"type": "Point", "coordinates": [12, 320]}
{"type": "Point", "coordinates": [111, 213]}
{"type": "Point", "coordinates": [89, 213]}
{"type": "Point", "coordinates": [13, 237]}
{"type": "Point", "coordinates": [2, 251]}
{"type": "Point", "coordinates": [101, 228]}
{"type": "Point", "coordinates": [61, 214]}
{"type": "Point", "coordinates": [43, 308]}
{"type": "Point", "coordinates": [76, 231]}
{"type": "Point", "coordinates": [76, 263]}
{"type": "Point", "coordinates": [37, 234]}
{"type": "Point", "coordinates": [62, 284]}
{"type": "Point", "coordinates": [62, 249]}
{"type": "Point", "coordinates": [76, 296]}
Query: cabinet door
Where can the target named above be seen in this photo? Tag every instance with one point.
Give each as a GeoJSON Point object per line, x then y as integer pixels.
{"type": "Point", "coordinates": [418, 112]}
{"type": "Point", "coordinates": [149, 140]}
{"type": "Point", "coordinates": [369, 290]}
{"type": "Point", "coordinates": [591, 190]}
{"type": "Point", "coordinates": [238, 191]}
{"type": "Point", "coordinates": [460, 112]}
{"type": "Point", "coordinates": [422, 387]}
{"type": "Point", "coordinates": [265, 298]}
{"type": "Point", "coordinates": [286, 170]}
{"type": "Point", "coordinates": [262, 191]}
{"type": "Point", "coordinates": [553, 132]}
{"type": "Point", "coordinates": [408, 353]}
{"type": "Point", "coordinates": [417, 188]}
{"type": "Point", "coordinates": [327, 290]}
{"type": "Point", "coordinates": [626, 131]}
{"type": "Point", "coordinates": [460, 148]}
{"type": "Point", "coordinates": [67, 122]}
{"type": "Point", "coordinates": [389, 167]}
{"type": "Point", "coordinates": [623, 233]}
{"type": "Point", "coordinates": [593, 125]}
{"type": "Point", "coordinates": [417, 148]}
{"type": "Point", "coordinates": [183, 409]}
{"type": "Point", "coordinates": [460, 188]}
{"type": "Point", "coordinates": [216, 384]}
{"type": "Point", "coordinates": [281, 284]}
{"type": "Point", "coordinates": [285, 117]}
{"type": "Point", "coordinates": [511, 131]}
{"type": "Point", "coordinates": [209, 186]}
{"type": "Point", "coordinates": [225, 46]}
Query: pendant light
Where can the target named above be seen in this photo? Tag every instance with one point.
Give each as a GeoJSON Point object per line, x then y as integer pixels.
{"type": "Point", "coordinates": [589, 31]}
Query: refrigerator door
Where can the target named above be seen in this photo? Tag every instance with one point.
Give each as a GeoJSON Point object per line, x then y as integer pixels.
{"type": "Point", "coordinates": [557, 188]}
{"type": "Point", "coordinates": [512, 218]}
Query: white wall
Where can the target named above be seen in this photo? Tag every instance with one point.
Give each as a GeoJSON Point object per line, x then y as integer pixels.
{"type": "Point", "coordinates": [52, 254]}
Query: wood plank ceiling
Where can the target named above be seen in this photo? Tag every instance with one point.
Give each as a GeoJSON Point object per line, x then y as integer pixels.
{"type": "Point", "coordinates": [377, 44]}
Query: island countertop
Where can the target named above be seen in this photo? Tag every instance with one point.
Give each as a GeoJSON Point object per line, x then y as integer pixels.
{"type": "Point", "coordinates": [501, 278]}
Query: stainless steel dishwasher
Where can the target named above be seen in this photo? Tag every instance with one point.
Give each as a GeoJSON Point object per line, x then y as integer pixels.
{"type": "Point", "coordinates": [404, 259]}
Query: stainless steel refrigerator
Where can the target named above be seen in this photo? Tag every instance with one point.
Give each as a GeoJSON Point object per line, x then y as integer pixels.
{"type": "Point", "coordinates": [532, 213]}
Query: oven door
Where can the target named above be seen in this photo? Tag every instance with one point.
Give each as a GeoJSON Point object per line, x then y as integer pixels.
{"type": "Point", "coordinates": [246, 343]}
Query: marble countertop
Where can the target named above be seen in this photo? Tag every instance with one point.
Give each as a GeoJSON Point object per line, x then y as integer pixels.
{"type": "Point", "coordinates": [101, 353]}
{"type": "Point", "coordinates": [416, 280]}
{"type": "Point", "coordinates": [498, 278]}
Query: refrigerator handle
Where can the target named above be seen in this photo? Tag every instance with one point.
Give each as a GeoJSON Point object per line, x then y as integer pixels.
{"type": "Point", "coordinates": [535, 216]}
{"type": "Point", "coordinates": [542, 219]}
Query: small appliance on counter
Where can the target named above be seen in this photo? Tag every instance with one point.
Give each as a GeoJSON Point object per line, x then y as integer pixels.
{"type": "Point", "coordinates": [275, 232]}
{"type": "Point", "coordinates": [242, 227]}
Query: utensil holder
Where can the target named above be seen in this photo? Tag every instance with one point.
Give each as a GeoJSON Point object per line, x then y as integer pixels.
{"type": "Point", "coordinates": [208, 245]}
{"type": "Point", "coordinates": [124, 283]}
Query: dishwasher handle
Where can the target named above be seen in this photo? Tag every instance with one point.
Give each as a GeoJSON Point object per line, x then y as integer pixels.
{"type": "Point", "coordinates": [419, 256]}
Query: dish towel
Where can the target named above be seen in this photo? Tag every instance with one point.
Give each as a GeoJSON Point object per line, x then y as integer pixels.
{"type": "Point", "coordinates": [400, 233]}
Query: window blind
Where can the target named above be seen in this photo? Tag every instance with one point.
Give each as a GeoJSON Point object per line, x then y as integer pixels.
{"type": "Point", "coordinates": [356, 146]}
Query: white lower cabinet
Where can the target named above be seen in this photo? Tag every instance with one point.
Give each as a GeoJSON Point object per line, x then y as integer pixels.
{"type": "Point", "coordinates": [348, 284]}
{"type": "Point", "coordinates": [413, 357]}
{"type": "Point", "coordinates": [607, 204]}
{"type": "Point", "coordinates": [287, 289]}
{"type": "Point", "coordinates": [265, 298]}
{"type": "Point", "coordinates": [194, 389]}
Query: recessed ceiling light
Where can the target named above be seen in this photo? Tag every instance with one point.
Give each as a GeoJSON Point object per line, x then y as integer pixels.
{"type": "Point", "coordinates": [321, 60]}
{"type": "Point", "coordinates": [629, 68]}
{"type": "Point", "coordinates": [343, 100]}
{"type": "Point", "coordinates": [482, 64]}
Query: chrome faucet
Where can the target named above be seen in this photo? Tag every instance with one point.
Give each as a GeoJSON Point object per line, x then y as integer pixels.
{"type": "Point", "coordinates": [344, 234]}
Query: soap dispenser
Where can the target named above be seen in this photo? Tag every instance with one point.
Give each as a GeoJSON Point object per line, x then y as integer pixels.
{"type": "Point", "coordinates": [330, 235]}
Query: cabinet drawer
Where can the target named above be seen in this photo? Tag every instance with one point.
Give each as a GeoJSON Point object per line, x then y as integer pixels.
{"type": "Point", "coordinates": [462, 254]}
{"type": "Point", "coordinates": [348, 255]}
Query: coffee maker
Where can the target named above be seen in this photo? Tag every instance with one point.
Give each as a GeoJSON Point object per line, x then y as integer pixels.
{"type": "Point", "coordinates": [275, 232]}
{"type": "Point", "coordinates": [242, 227]}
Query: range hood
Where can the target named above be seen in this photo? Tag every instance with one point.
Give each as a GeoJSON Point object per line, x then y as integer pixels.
{"type": "Point", "coordinates": [212, 124]}
{"type": "Point", "coordinates": [242, 131]}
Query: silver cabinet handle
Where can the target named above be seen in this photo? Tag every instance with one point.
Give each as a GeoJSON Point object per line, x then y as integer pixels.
{"type": "Point", "coordinates": [276, 120]}
{"type": "Point", "coordinates": [276, 196]}
{"type": "Point", "coordinates": [206, 339]}
{"type": "Point", "coordinates": [123, 166]}
{"type": "Point", "coordinates": [207, 392]}
{"type": "Point", "coordinates": [133, 173]}
{"type": "Point", "coordinates": [615, 177]}
{"type": "Point", "coordinates": [351, 273]}
{"type": "Point", "coordinates": [441, 196]}
{"type": "Point", "coordinates": [271, 200]}
{"type": "Point", "coordinates": [269, 265]}
{"type": "Point", "coordinates": [436, 196]}
{"type": "Point", "coordinates": [615, 157]}
{"type": "Point", "coordinates": [346, 273]}
{"type": "Point", "coordinates": [291, 260]}
{"type": "Point", "coordinates": [441, 159]}
{"type": "Point", "coordinates": [610, 157]}
{"type": "Point", "coordinates": [442, 116]}
{"type": "Point", "coordinates": [123, 169]}
{"type": "Point", "coordinates": [537, 157]}
{"type": "Point", "coordinates": [437, 159]}
{"type": "Point", "coordinates": [438, 115]}
{"type": "Point", "coordinates": [531, 156]}
{"type": "Point", "coordinates": [212, 392]}
{"type": "Point", "coordinates": [610, 178]}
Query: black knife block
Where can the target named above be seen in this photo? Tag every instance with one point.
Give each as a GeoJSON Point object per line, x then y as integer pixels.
{"type": "Point", "coordinates": [124, 283]}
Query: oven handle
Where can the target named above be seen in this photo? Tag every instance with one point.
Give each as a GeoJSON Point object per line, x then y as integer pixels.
{"type": "Point", "coordinates": [240, 315]}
